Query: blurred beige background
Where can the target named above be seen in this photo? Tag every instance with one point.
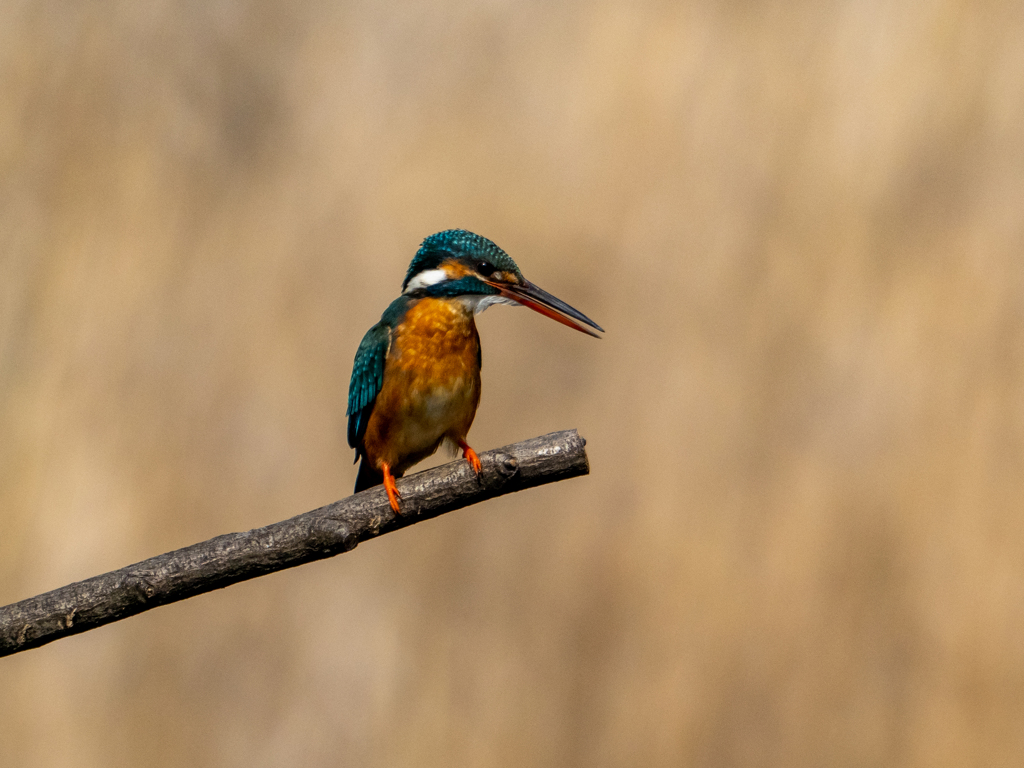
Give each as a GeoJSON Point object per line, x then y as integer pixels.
{"type": "Point", "coordinates": [802, 542]}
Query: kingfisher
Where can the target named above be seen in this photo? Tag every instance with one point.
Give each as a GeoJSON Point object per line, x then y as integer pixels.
{"type": "Point", "coordinates": [416, 377]}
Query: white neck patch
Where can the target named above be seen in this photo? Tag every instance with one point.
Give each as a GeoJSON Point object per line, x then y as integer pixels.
{"type": "Point", "coordinates": [425, 278]}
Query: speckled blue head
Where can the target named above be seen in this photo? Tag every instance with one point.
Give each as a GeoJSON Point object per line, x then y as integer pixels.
{"type": "Point", "coordinates": [458, 265]}
{"type": "Point", "coordinates": [463, 246]}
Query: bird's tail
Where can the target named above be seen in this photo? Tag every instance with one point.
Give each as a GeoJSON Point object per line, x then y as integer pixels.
{"type": "Point", "coordinates": [368, 476]}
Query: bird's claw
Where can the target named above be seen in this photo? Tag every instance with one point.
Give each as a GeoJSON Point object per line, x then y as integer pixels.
{"type": "Point", "coordinates": [391, 489]}
{"type": "Point", "coordinates": [470, 455]}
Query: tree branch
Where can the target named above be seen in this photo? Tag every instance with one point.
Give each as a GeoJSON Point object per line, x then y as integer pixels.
{"type": "Point", "coordinates": [324, 532]}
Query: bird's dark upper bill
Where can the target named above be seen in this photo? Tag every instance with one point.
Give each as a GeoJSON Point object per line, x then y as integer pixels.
{"type": "Point", "coordinates": [529, 295]}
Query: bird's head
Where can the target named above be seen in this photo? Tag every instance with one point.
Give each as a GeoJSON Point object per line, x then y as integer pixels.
{"type": "Point", "coordinates": [459, 264]}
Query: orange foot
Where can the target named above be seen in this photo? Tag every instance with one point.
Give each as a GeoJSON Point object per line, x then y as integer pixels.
{"type": "Point", "coordinates": [470, 455]}
{"type": "Point", "coordinates": [391, 488]}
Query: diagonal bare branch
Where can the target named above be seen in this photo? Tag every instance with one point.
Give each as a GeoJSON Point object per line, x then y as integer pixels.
{"type": "Point", "coordinates": [315, 535]}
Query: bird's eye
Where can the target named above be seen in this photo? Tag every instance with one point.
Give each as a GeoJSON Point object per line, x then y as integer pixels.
{"type": "Point", "coordinates": [484, 268]}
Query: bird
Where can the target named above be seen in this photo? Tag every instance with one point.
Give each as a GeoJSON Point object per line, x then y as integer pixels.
{"type": "Point", "coordinates": [416, 375]}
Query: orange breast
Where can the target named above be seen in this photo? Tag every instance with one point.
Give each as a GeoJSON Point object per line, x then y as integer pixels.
{"type": "Point", "coordinates": [431, 385]}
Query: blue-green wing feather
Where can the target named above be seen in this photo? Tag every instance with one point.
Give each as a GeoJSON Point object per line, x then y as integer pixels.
{"type": "Point", "coordinates": [367, 380]}
{"type": "Point", "coordinates": [368, 369]}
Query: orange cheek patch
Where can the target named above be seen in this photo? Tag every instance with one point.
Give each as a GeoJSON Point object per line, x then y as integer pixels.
{"type": "Point", "coordinates": [455, 269]}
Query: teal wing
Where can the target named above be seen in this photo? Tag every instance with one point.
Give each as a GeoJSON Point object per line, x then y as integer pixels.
{"type": "Point", "coordinates": [367, 380]}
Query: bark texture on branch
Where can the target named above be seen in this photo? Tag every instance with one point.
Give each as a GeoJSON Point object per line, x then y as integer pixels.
{"type": "Point", "coordinates": [324, 532]}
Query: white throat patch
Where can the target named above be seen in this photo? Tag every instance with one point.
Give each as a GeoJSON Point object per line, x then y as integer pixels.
{"type": "Point", "coordinates": [477, 304]}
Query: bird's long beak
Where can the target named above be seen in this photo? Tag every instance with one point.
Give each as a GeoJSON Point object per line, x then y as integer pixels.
{"type": "Point", "coordinates": [539, 300]}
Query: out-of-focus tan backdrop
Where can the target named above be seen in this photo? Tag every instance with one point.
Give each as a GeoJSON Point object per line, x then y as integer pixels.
{"type": "Point", "coordinates": [802, 542]}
